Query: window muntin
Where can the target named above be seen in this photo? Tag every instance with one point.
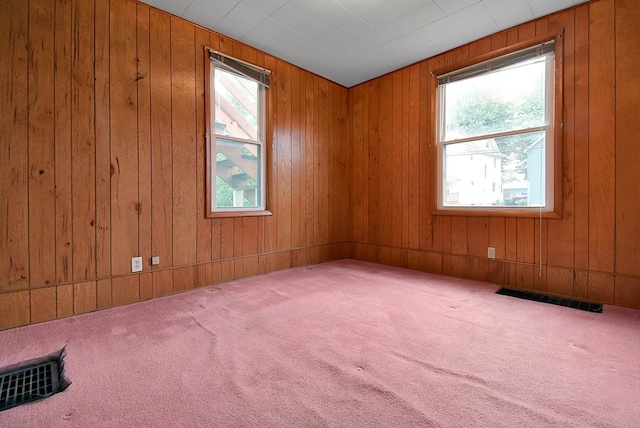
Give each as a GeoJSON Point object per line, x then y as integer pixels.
{"type": "Point", "coordinates": [237, 155]}
{"type": "Point", "coordinates": [498, 113]}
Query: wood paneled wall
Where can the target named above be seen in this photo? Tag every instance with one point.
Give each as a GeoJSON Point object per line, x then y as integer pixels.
{"type": "Point", "coordinates": [102, 159]}
{"type": "Point", "coordinates": [593, 252]}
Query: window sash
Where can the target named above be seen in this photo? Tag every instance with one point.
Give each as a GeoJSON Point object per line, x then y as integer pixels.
{"type": "Point", "coordinates": [546, 49]}
{"type": "Point", "coordinates": [261, 76]}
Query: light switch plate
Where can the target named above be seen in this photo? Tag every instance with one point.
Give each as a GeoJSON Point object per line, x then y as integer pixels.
{"type": "Point", "coordinates": [155, 260]}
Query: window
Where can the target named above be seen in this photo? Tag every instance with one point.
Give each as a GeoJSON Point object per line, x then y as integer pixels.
{"type": "Point", "coordinates": [500, 111]}
{"type": "Point", "coordinates": [236, 151]}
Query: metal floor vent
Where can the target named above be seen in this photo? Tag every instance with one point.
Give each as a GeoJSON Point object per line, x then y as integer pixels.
{"type": "Point", "coordinates": [570, 303]}
{"type": "Point", "coordinates": [32, 380]}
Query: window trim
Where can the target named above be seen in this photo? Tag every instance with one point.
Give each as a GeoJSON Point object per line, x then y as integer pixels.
{"type": "Point", "coordinates": [557, 129]}
{"type": "Point", "coordinates": [210, 141]}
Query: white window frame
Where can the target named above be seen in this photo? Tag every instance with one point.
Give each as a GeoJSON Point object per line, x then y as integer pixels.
{"type": "Point", "coordinates": [213, 61]}
{"type": "Point", "coordinates": [552, 129]}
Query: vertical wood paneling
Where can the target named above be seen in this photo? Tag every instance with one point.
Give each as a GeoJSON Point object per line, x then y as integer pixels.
{"type": "Point", "coordinates": [357, 144]}
{"type": "Point", "coordinates": [414, 157]}
{"type": "Point", "coordinates": [103, 141]}
{"type": "Point", "coordinates": [203, 224]}
{"type": "Point", "coordinates": [396, 202]}
{"type": "Point", "coordinates": [14, 308]}
{"type": "Point", "coordinates": [41, 151]}
{"type": "Point", "coordinates": [385, 160]}
{"type": "Point", "coordinates": [124, 140]}
{"type": "Point", "coordinates": [43, 304]}
{"type": "Point", "coordinates": [581, 151]}
{"type": "Point", "coordinates": [62, 141]}
{"type": "Point", "coordinates": [144, 136]}
{"type": "Point", "coordinates": [627, 130]}
{"type": "Point", "coordinates": [161, 152]}
{"type": "Point", "coordinates": [321, 157]}
{"type": "Point", "coordinates": [83, 148]}
{"type": "Point", "coordinates": [601, 136]}
{"type": "Point", "coordinates": [283, 156]}
{"type": "Point", "coordinates": [297, 130]}
{"type": "Point", "coordinates": [560, 232]}
{"type": "Point", "coordinates": [309, 189]}
{"type": "Point", "coordinates": [183, 132]}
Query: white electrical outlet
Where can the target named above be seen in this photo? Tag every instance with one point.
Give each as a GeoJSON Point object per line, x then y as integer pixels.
{"type": "Point", "coordinates": [136, 264]}
{"type": "Point", "coordinates": [491, 253]}
{"type": "Point", "coordinates": [155, 260]}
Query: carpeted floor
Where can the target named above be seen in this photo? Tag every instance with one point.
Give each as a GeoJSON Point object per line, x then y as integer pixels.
{"type": "Point", "coordinates": [345, 343]}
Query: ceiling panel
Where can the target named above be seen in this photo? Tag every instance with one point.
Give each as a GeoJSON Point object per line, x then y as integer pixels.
{"type": "Point", "coordinates": [351, 41]}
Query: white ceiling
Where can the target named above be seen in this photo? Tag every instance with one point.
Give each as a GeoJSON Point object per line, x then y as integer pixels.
{"type": "Point", "coordinates": [352, 41]}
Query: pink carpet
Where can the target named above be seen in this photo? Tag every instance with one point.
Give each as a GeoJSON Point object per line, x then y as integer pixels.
{"type": "Point", "coordinates": [345, 343]}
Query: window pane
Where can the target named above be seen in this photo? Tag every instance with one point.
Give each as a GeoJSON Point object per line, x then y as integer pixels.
{"type": "Point", "coordinates": [507, 171]}
{"type": "Point", "coordinates": [505, 100]}
{"type": "Point", "coordinates": [236, 105]}
{"type": "Point", "coordinates": [237, 174]}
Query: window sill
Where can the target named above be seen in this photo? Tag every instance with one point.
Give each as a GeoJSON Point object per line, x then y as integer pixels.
{"type": "Point", "coordinates": [491, 212]}
{"type": "Point", "coordinates": [227, 214]}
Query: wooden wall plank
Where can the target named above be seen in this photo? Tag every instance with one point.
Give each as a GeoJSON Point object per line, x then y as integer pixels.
{"type": "Point", "coordinates": [385, 160]}
{"type": "Point", "coordinates": [414, 156]}
{"type": "Point", "coordinates": [62, 142]}
{"type": "Point", "coordinates": [183, 132]}
{"type": "Point", "coordinates": [396, 201]}
{"type": "Point", "coordinates": [84, 297]}
{"type": "Point", "coordinates": [561, 231]}
{"type": "Point", "coordinates": [601, 138]}
{"type": "Point", "coordinates": [126, 289]}
{"type": "Point", "coordinates": [102, 139]}
{"type": "Point", "coordinates": [161, 154]}
{"type": "Point", "coordinates": [104, 291]}
{"type": "Point", "coordinates": [322, 158]}
{"type": "Point", "coordinates": [309, 206]}
{"type": "Point", "coordinates": [162, 281]}
{"type": "Point", "coordinates": [357, 182]}
{"type": "Point", "coordinates": [581, 132]}
{"type": "Point", "coordinates": [64, 301]}
{"type": "Point", "coordinates": [372, 142]}
{"type": "Point", "coordinates": [203, 225]}
{"type": "Point", "coordinates": [143, 80]}
{"type": "Point", "coordinates": [297, 157]}
{"type": "Point", "coordinates": [14, 308]}
{"type": "Point", "coordinates": [184, 278]}
{"type": "Point", "coordinates": [14, 197]}
{"type": "Point", "coordinates": [478, 236]}
{"type": "Point", "coordinates": [627, 96]}
{"type": "Point", "coordinates": [124, 144]}
{"type": "Point", "coordinates": [41, 148]}
{"type": "Point", "coordinates": [43, 304]}
{"type": "Point", "coordinates": [83, 141]}
{"type": "Point", "coordinates": [283, 150]}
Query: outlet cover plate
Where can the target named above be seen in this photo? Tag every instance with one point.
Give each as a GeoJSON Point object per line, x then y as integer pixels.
{"type": "Point", "coordinates": [136, 264]}
{"type": "Point", "coordinates": [491, 253]}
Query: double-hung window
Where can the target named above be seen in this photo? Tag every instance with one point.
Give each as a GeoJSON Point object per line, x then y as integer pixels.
{"type": "Point", "coordinates": [495, 134]}
{"type": "Point", "coordinates": [236, 149]}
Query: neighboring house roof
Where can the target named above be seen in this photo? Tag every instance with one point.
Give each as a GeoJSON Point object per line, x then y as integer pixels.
{"type": "Point", "coordinates": [486, 147]}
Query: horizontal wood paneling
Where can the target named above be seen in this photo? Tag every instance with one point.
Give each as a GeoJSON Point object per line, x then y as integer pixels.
{"type": "Point", "coordinates": [102, 159]}
{"type": "Point", "coordinates": [597, 237]}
